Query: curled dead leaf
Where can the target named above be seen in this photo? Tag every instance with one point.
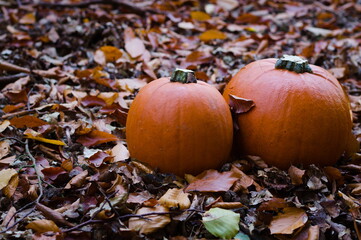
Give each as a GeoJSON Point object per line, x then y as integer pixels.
{"type": "Point", "coordinates": [151, 223]}
{"type": "Point", "coordinates": [43, 225]}
{"type": "Point", "coordinates": [286, 222]}
{"type": "Point", "coordinates": [175, 198]}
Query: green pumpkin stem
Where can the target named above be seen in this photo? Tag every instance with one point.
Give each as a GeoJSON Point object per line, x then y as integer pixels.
{"type": "Point", "coordinates": [183, 76]}
{"type": "Point", "coordinates": [293, 63]}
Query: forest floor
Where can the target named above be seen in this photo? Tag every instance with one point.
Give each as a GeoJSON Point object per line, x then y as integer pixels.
{"type": "Point", "coordinates": [69, 72]}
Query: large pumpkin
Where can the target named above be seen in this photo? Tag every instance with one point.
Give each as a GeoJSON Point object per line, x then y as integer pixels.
{"type": "Point", "coordinates": [179, 125]}
{"type": "Point", "coordinates": [301, 114]}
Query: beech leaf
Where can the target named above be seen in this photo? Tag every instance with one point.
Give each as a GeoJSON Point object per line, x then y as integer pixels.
{"type": "Point", "coordinates": [96, 137]}
{"type": "Point", "coordinates": [221, 223]}
{"type": "Point", "coordinates": [240, 105]}
{"type": "Point", "coordinates": [43, 225]}
{"type": "Point", "coordinates": [212, 181]}
{"type": "Point", "coordinates": [175, 198]}
{"type": "Point", "coordinates": [286, 222]}
{"type": "Point", "coordinates": [151, 223]}
{"type": "Point", "coordinates": [27, 121]}
{"type": "Point", "coordinates": [212, 35]}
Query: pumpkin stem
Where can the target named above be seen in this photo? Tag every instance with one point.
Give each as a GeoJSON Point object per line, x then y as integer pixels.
{"type": "Point", "coordinates": [293, 63]}
{"type": "Point", "coordinates": [183, 76]}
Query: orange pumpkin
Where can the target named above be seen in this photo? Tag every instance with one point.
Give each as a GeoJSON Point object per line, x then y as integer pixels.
{"type": "Point", "coordinates": [301, 114]}
{"type": "Point", "coordinates": [179, 125]}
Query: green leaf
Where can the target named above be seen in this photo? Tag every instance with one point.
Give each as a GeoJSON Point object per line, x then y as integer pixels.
{"type": "Point", "coordinates": [221, 223]}
{"type": "Point", "coordinates": [241, 236]}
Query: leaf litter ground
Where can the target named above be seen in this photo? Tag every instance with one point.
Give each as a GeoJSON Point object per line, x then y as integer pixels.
{"type": "Point", "coordinates": [70, 70]}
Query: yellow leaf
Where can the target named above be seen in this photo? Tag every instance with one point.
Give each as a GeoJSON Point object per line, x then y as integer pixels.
{"type": "Point", "coordinates": [45, 140]}
{"type": "Point", "coordinates": [212, 35]}
{"type": "Point", "coordinates": [31, 134]}
{"type": "Point", "coordinates": [175, 198]}
{"type": "Point", "coordinates": [5, 176]}
{"type": "Point", "coordinates": [286, 222]}
{"type": "Point", "coordinates": [200, 16]}
{"type": "Point", "coordinates": [43, 225]}
{"type": "Point", "coordinates": [151, 223]}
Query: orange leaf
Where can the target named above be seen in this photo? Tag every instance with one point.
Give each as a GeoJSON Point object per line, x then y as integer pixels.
{"type": "Point", "coordinates": [96, 137]}
{"type": "Point", "coordinates": [212, 35]}
{"type": "Point", "coordinates": [107, 54]}
{"type": "Point", "coordinates": [200, 16]}
{"type": "Point", "coordinates": [286, 222]}
{"type": "Point", "coordinates": [28, 19]}
{"type": "Point", "coordinates": [212, 181]}
{"type": "Point", "coordinates": [27, 121]}
{"type": "Point", "coordinates": [13, 108]}
{"type": "Point", "coordinates": [43, 225]}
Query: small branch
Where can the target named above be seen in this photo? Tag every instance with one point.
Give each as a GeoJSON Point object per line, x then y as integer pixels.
{"type": "Point", "coordinates": [13, 68]}
{"type": "Point", "coordinates": [84, 4]}
{"type": "Point", "coordinates": [12, 78]}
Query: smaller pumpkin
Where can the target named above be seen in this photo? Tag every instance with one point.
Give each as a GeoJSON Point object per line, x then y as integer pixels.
{"type": "Point", "coordinates": [179, 125]}
{"type": "Point", "coordinates": [301, 114]}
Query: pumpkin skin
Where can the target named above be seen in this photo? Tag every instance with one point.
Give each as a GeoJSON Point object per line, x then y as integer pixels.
{"type": "Point", "coordinates": [298, 118]}
{"type": "Point", "coordinates": [179, 127]}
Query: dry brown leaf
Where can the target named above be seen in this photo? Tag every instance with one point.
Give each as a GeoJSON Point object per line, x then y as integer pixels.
{"type": "Point", "coordinates": [43, 225]}
{"type": "Point", "coordinates": [273, 205]}
{"type": "Point", "coordinates": [5, 176]}
{"type": "Point", "coordinates": [212, 35]}
{"type": "Point", "coordinates": [4, 125]}
{"type": "Point", "coordinates": [152, 223]}
{"type": "Point", "coordinates": [175, 198]}
{"type": "Point", "coordinates": [240, 105]}
{"type": "Point", "coordinates": [286, 222]}
{"type": "Point", "coordinates": [4, 148]}
{"type": "Point", "coordinates": [120, 152]}
{"type": "Point", "coordinates": [77, 181]}
{"type": "Point", "coordinates": [243, 182]}
{"type": "Point", "coordinates": [213, 181]}
{"type": "Point", "coordinates": [135, 47]}
{"type": "Point", "coordinates": [227, 205]}
{"type": "Point", "coordinates": [296, 175]}
{"type": "Point", "coordinates": [53, 215]}
{"type": "Point", "coordinates": [9, 218]}
{"type": "Point", "coordinates": [10, 189]}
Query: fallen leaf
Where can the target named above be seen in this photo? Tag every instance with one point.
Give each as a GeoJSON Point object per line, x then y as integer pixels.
{"type": "Point", "coordinates": [274, 204]}
{"type": "Point", "coordinates": [120, 152]}
{"type": "Point", "coordinates": [200, 16]}
{"type": "Point", "coordinates": [42, 225]}
{"type": "Point", "coordinates": [29, 133]}
{"type": "Point", "coordinates": [212, 35]}
{"type": "Point", "coordinates": [151, 223]}
{"type": "Point", "coordinates": [4, 148]}
{"type": "Point", "coordinates": [221, 223]}
{"type": "Point", "coordinates": [99, 158]}
{"type": "Point", "coordinates": [53, 215]}
{"type": "Point", "coordinates": [175, 198]}
{"type": "Point", "coordinates": [28, 18]}
{"type": "Point", "coordinates": [78, 180]}
{"type": "Point", "coordinates": [286, 222]}
{"type": "Point", "coordinates": [212, 181]}
{"type": "Point", "coordinates": [240, 105]}
{"type": "Point", "coordinates": [13, 108]}
{"type": "Point", "coordinates": [4, 125]}
{"type": "Point", "coordinates": [27, 121]}
{"type": "Point", "coordinates": [96, 137]}
{"type": "Point", "coordinates": [10, 189]}
{"type": "Point", "coordinates": [228, 5]}
{"type": "Point", "coordinates": [107, 54]}
{"type": "Point", "coordinates": [91, 101]}
{"type": "Point", "coordinates": [9, 218]}
{"type": "Point", "coordinates": [135, 47]}
{"type": "Point", "coordinates": [296, 175]}
{"type": "Point", "coordinates": [5, 176]}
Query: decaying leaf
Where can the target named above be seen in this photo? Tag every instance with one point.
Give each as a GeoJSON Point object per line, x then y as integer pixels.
{"type": "Point", "coordinates": [151, 223]}
{"type": "Point", "coordinates": [212, 181]}
{"type": "Point", "coordinates": [240, 105]}
{"type": "Point", "coordinates": [175, 198]}
{"type": "Point", "coordinates": [221, 223]}
{"type": "Point", "coordinates": [288, 220]}
{"type": "Point", "coordinates": [43, 225]}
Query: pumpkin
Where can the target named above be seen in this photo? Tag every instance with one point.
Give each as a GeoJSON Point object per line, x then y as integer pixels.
{"type": "Point", "coordinates": [301, 114]}
{"type": "Point", "coordinates": [179, 125]}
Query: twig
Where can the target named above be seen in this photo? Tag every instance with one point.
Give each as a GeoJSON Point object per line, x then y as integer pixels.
{"type": "Point", "coordinates": [84, 4]}
{"type": "Point", "coordinates": [40, 191]}
{"type": "Point", "coordinates": [124, 217]}
{"type": "Point", "coordinates": [13, 68]}
{"type": "Point", "coordinates": [12, 78]}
